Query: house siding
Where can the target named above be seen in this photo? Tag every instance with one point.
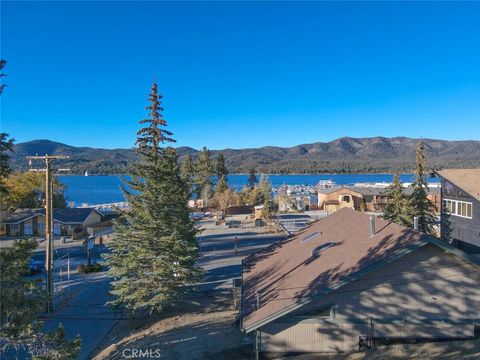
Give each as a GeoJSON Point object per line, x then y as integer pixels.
{"type": "Point", "coordinates": [465, 232]}
{"type": "Point", "coordinates": [419, 296]}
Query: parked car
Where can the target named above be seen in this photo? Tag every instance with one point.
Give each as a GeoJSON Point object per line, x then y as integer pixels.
{"type": "Point", "coordinates": [36, 266]}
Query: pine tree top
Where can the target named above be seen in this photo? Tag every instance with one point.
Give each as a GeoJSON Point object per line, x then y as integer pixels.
{"type": "Point", "coordinates": [151, 137]}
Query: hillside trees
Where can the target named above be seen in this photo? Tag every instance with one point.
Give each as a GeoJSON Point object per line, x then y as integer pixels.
{"type": "Point", "coordinates": [154, 251]}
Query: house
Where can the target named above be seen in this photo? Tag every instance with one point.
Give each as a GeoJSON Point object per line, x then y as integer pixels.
{"type": "Point", "coordinates": [69, 222]}
{"type": "Point", "coordinates": [366, 198]}
{"type": "Point", "coordinates": [461, 202]}
{"type": "Point", "coordinates": [350, 278]}
{"type": "Point", "coordinates": [74, 221]}
{"type": "Point", "coordinates": [24, 222]}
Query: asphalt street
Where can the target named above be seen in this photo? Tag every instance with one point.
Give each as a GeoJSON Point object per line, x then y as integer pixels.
{"type": "Point", "coordinates": [80, 304]}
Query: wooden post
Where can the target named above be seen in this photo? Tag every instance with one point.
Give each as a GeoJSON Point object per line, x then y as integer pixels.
{"type": "Point", "coordinates": [257, 345]}
{"type": "Point", "coordinates": [48, 223]}
{"type": "Point", "coordinates": [49, 235]}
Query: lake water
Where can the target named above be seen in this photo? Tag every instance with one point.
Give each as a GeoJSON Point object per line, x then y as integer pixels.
{"type": "Point", "coordinates": [106, 189]}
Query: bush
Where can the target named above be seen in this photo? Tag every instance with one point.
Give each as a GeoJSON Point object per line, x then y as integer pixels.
{"type": "Point", "coordinates": [85, 269]}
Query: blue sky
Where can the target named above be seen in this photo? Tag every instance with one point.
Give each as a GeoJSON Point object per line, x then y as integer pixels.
{"type": "Point", "coordinates": [241, 74]}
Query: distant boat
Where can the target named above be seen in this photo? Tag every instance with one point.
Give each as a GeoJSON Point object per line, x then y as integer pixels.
{"type": "Point", "coordinates": [86, 173]}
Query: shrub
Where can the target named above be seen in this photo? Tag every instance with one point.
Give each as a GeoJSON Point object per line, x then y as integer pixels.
{"type": "Point", "coordinates": [86, 269]}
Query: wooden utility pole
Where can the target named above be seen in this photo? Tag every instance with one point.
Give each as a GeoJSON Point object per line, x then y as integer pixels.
{"type": "Point", "coordinates": [48, 222]}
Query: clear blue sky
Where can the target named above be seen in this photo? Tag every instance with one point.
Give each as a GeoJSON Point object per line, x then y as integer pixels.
{"type": "Point", "coordinates": [241, 74]}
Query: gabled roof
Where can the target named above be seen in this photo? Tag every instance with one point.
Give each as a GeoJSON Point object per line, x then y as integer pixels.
{"type": "Point", "coordinates": [65, 216]}
{"type": "Point", "coordinates": [20, 215]}
{"type": "Point", "coordinates": [73, 215]}
{"type": "Point", "coordinates": [287, 276]}
{"type": "Point", "coordinates": [466, 179]}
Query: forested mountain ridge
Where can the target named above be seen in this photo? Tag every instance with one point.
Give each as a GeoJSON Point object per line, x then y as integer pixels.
{"type": "Point", "coordinates": [343, 155]}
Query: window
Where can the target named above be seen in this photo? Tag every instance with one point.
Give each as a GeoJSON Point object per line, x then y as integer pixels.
{"type": "Point", "coordinates": [346, 198]}
{"type": "Point", "coordinates": [458, 208]}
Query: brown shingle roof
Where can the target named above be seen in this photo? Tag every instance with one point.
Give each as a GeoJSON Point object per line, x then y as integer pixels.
{"type": "Point", "coordinates": [286, 274]}
{"type": "Point", "coordinates": [466, 179]}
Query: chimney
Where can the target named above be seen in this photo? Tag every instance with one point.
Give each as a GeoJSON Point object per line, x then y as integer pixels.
{"type": "Point", "coordinates": [415, 222]}
{"type": "Point", "coordinates": [372, 226]}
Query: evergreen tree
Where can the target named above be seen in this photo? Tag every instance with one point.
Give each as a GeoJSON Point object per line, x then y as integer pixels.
{"type": "Point", "coordinates": [22, 299]}
{"type": "Point", "coordinates": [222, 185]}
{"type": "Point", "coordinates": [419, 205]}
{"type": "Point", "coordinates": [252, 179]}
{"type": "Point", "coordinates": [396, 209]}
{"type": "Point", "coordinates": [154, 250]}
{"type": "Point", "coordinates": [221, 168]}
{"type": "Point", "coordinates": [187, 171]}
{"type": "Point", "coordinates": [203, 174]}
{"type": "Point", "coordinates": [6, 146]}
{"type": "Point", "coordinates": [265, 189]}
{"type": "Point", "coordinates": [2, 65]}
{"type": "Point", "coordinates": [446, 225]}
{"type": "Point", "coordinates": [266, 210]}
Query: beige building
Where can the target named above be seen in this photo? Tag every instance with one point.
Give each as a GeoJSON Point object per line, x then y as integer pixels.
{"type": "Point", "coordinates": [372, 199]}
{"type": "Point", "coordinates": [350, 279]}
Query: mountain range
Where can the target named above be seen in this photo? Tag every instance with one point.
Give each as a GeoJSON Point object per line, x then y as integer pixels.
{"type": "Point", "coordinates": [343, 155]}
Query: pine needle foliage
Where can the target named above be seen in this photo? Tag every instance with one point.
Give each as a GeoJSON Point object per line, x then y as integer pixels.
{"type": "Point", "coordinates": [204, 171]}
{"type": "Point", "coordinates": [419, 205]}
{"type": "Point", "coordinates": [153, 255]}
{"type": "Point", "coordinates": [220, 167]}
{"type": "Point", "coordinates": [222, 185]}
{"type": "Point", "coordinates": [252, 180]}
{"type": "Point", "coordinates": [396, 209]}
{"type": "Point", "coordinates": [187, 171]}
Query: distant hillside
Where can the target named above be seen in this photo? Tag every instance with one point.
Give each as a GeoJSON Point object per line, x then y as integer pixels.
{"type": "Point", "coordinates": [360, 155]}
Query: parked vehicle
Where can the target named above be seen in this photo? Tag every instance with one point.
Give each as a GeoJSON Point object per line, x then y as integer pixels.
{"type": "Point", "coordinates": [36, 267]}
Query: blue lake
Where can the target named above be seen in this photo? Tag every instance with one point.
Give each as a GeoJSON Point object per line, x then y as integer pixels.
{"type": "Point", "coordinates": [106, 189]}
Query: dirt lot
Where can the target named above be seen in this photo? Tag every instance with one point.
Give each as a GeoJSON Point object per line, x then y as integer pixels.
{"type": "Point", "coordinates": [200, 329]}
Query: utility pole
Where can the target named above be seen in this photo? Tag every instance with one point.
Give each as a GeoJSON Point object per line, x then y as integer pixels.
{"type": "Point", "coordinates": [48, 222]}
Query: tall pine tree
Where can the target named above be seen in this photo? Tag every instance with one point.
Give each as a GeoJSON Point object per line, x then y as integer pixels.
{"type": "Point", "coordinates": [154, 250]}
{"type": "Point", "coordinates": [419, 205]}
{"type": "Point", "coordinates": [187, 171]}
{"type": "Point", "coordinates": [204, 172]}
{"type": "Point", "coordinates": [396, 209]}
{"type": "Point", "coordinates": [252, 179]}
{"type": "Point", "coordinates": [220, 167]}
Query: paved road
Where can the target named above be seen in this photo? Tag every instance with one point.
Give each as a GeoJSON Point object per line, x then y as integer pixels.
{"type": "Point", "coordinates": [80, 304]}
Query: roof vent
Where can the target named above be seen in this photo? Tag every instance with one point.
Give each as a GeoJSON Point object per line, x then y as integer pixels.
{"type": "Point", "coordinates": [372, 226]}
{"type": "Point", "coordinates": [318, 249]}
{"type": "Point", "coordinates": [311, 236]}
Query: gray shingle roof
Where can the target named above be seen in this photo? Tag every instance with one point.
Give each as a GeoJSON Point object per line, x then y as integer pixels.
{"type": "Point", "coordinates": [66, 216]}
{"type": "Point", "coordinates": [20, 215]}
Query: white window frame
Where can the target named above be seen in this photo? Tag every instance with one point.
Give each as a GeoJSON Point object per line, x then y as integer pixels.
{"type": "Point", "coordinates": [457, 204]}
